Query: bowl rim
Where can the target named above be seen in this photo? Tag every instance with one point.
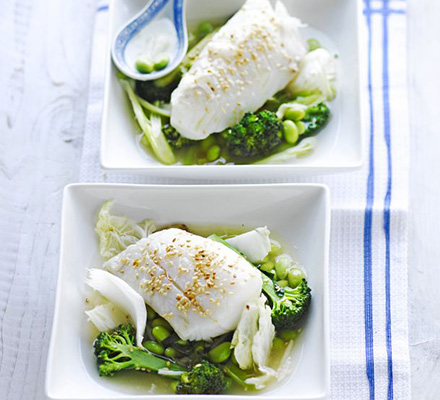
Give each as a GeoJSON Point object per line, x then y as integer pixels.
{"type": "Point", "coordinates": [324, 193]}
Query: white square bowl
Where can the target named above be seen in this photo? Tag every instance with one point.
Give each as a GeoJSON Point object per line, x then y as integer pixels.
{"type": "Point", "coordinates": [297, 214]}
{"type": "Point", "coordinates": [340, 147]}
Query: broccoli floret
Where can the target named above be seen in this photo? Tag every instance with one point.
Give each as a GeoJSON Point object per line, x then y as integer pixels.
{"type": "Point", "coordinates": [255, 135]}
{"type": "Point", "coordinates": [174, 138]}
{"type": "Point", "coordinates": [288, 305]}
{"type": "Point", "coordinates": [115, 351]}
{"type": "Point", "coordinates": [204, 378]}
{"type": "Point", "coordinates": [316, 117]}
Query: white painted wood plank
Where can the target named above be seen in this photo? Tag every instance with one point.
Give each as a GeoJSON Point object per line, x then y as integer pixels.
{"type": "Point", "coordinates": [424, 248]}
{"type": "Point", "coordinates": [44, 53]}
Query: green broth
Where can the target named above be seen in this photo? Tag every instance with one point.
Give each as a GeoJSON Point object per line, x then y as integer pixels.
{"type": "Point", "coordinates": [137, 382]}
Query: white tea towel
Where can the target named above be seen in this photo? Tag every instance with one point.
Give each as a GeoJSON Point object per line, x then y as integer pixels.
{"type": "Point", "coordinates": [368, 253]}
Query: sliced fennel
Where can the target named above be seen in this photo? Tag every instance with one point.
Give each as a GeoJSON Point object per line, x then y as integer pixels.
{"type": "Point", "coordinates": [153, 109]}
{"type": "Point", "coordinates": [123, 296]}
{"type": "Point", "coordinates": [254, 245]}
{"type": "Point", "coordinates": [317, 72]}
{"type": "Point", "coordinates": [155, 138]}
{"type": "Point", "coordinates": [117, 232]}
{"type": "Point", "coordinates": [304, 148]}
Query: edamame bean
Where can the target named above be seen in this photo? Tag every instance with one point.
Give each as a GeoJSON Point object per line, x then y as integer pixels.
{"type": "Point", "coordinates": [150, 313]}
{"type": "Point", "coordinates": [161, 63]}
{"type": "Point", "coordinates": [278, 344]}
{"type": "Point", "coordinates": [154, 347]}
{"type": "Point", "coordinates": [287, 334]}
{"type": "Point", "coordinates": [267, 266]}
{"type": "Point", "coordinates": [204, 29]}
{"type": "Point", "coordinates": [144, 66]}
{"type": "Point", "coordinates": [313, 44]}
{"type": "Point", "coordinates": [220, 353]}
{"type": "Point", "coordinates": [282, 265]}
{"type": "Point", "coordinates": [290, 131]}
{"type": "Point", "coordinates": [295, 276]}
{"type": "Point", "coordinates": [160, 333]}
{"type": "Point", "coordinates": [233, 359]}
{"type": "Point", "coordinates": [294, 115]}
{"type": "Point", "coordinates": [173, 385]}
{"type": "Point", "coordinates": [283, 283]}
{"type": "Point", "coordinates": [170, 352]}
{"type": "Point", "coordinates": [182, 342]}
{"type": "Point", "coordinates": [213, 153]}
{"type": "Point", "coordinates": [301, 127]}
{"type": "Point", "coordinates": [275, 248]}
{"type": "Point", "coordinates": [162, 322]}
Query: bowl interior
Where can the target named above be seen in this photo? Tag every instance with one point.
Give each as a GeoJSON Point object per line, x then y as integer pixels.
{"type": "Point", "coordinates": [340, 144]}
{"type": "Point", "coordinates": [298, 215]}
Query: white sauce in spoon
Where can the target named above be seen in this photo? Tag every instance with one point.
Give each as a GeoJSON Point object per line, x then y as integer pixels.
{"type": "Point", "coordinates": [157, 39]}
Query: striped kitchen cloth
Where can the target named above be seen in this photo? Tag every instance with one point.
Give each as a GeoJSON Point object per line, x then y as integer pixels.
{"type": "Point", "coordinates": [368, 253]}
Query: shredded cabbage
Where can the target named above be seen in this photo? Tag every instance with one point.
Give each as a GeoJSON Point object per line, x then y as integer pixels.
{"type": "Point", "coordinates": [317, 72]}
{"type": "Point", "coordinates": [245, 333]}
{"type": "Point", "coordinates": [116, 232]}
{"type": "Point", "coordinates": [254, 245]}
{"type": "Point", "coordinates": [107, 316]}
{"type": "Point", "coordinates": [263, 339]}
{"type": "Point", "coordinates": [122, 295]}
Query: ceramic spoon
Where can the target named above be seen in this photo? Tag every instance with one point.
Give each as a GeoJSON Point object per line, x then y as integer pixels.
{"type": "Point", "coordinates": [174, 10]}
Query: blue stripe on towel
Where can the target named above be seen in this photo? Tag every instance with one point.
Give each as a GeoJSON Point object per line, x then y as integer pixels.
{"type": "Point", "coordinates": [387, 200]}
{"type": "Point", "coordinates": [368, 219]}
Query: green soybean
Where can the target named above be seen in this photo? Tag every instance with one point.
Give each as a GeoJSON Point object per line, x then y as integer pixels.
{"type": "Point", "coordinates": [182, 342]}
{"type": "Point", "coordinates": [161, 63]}
{"type": "Point", "coordinates": [282, 265]}
{"type": "Point", "coordinates": [173, 385]}
{"type": "Point", "coordinates": [204, 29]}
{"type": "Point", "coordinates": [287, 334]}
{"type": "Point", "coordinates": [283, 283]}
{"type": "Point", "coordinates": [294, 115]}
{"type": "Point", "coordinates": [213, 153]}
{"type": "Point", "coordinates": [267, 266]}
{"type": "Point", "coordinates": [150, 313]}
{"type": "Point", "coordinates": [220, 353]}
{"type": "Point", "coordinates": [278, 344]}
{"type": "Point", "coordinates": [275, 248]}
{"type": "Point", "coordinates": [144, 66]}
{"type": "Point", "coordinates": [170, 352]}
{"type": "Point", "coordinates": [233, 359]}
{"type": "Point", "coordinates": [160, 333]}
{"type": "Point", "coordinates": [295, 276]}
{"type": "Point", "coordinates": [162, 322]}
{"type": "Point", "coordinates": [154, 347]}
{"type": "Point", "coordinates": [301, 127]}
{"type": "Point", "coordinates": [313, 44]}
{"type": "Point", "coordinates": [290, 131]}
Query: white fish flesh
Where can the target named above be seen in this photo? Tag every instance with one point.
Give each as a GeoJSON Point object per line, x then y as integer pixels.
{"type": "Point", "coordinates": [252, 57]}
{"type": "Point", "coordinates": [198, 285]}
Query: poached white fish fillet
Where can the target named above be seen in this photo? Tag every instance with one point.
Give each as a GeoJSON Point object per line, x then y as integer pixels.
{"type": "Point", "coordinates": [198, 285]}
{"type": "Point", "coordinates": [252, 57]}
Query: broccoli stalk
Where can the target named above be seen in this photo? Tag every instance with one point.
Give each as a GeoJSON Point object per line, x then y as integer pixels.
{"type": "Point", "coordinates": [116, 351]}
{"type": "Point", "coordinates": [255, 135]}
{"type": "Point", "coordinates": [288, 305]}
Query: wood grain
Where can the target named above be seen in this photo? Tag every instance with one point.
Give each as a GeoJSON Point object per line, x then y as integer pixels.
{"type": "Point", "coordinates": [45, 53]}
{"type": "Point", "coordinates": [424, 248]}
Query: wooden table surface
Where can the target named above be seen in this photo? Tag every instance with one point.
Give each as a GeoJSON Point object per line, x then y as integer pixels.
{"type": "Point", "coordinates": [45, 50]}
